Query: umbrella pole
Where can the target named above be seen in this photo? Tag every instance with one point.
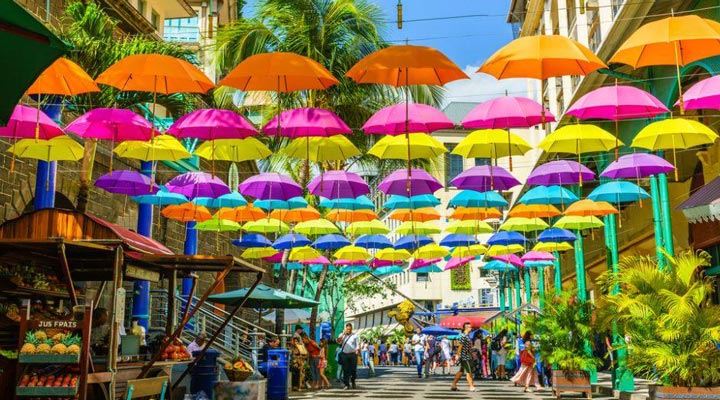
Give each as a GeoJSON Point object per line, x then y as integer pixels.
{"type": "Point", "coordinates": [509, 149]}
{"type": "Point", "coordinates": [617, 141]}
{"type": "Point", "coordinates": [577, 149]}
{"type": "Point", "coordinates": [407, 127]}
{"type": "Point", "coordinates": [679, 80]}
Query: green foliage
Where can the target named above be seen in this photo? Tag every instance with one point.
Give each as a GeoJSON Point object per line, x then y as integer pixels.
{"type": "Point", "coordinates": [372, 335]}
{"type": "Point", "coordinates": [397, 336]}
{"type": "Point", "coordinates": [565, 329]}
{"type": "Point", "coordinates": [460, 278]}
{"type": "Point", "coordinates": [668, 317]}
{"type": "Point", "coordinates": [361, 288]}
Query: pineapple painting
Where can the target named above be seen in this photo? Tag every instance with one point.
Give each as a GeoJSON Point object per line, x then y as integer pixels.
{"type": "Point", "coordinates": [30, 345]}
{"type": "Point", "coordinates": [73, 343]}
{"type": "Point", "coordinates": [45, 347]}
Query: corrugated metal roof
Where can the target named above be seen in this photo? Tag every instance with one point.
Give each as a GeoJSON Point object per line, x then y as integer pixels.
{"type": "Point", "coordinates": [705, 195]}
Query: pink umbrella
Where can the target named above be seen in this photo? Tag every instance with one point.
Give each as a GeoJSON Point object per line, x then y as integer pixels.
{"type": "Point", "coordinates": [393, 120]}
{"type": "Point", "coordinates": [275, 258]}
{"type": "Point", "coordinates": [30, 123]}
{"type": "Point", "coordinates": [456, 262]}
{"type": "Point", "coordinates": [506, 112]}
{"type": "Point", "coordinates": [703, 95]}
{"type": "Point", "coordinates": [322, 260]}
{"type": "Point", "coordinates": [511, 259]}
{"type": "Point", "coordinates": [349, 262]}
{"type": "Point", "coordinates": [375, 263]}
{"type": "Point", "coordinates": [537, 256]}
{"type": "Point", "coordinates": [211, 124]}
{"type": "Point", "coordinates": [306, 122]}
{"type": "Point", "coordinates": [424, 262]}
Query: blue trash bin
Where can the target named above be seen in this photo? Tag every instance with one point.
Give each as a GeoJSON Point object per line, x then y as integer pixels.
{"type": "Point", "coordinates": [278, 369]}
{"type": "Point", "coordinates": [205, 374]}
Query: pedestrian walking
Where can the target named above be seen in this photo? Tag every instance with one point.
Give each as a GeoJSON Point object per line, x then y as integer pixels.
{"type": "Point", "coordinates": [499, 347]}
{"type": "Point", "coordinates": [323, 364]}
{"type": "Point", "coordinates": [371, 359]}
{"type": "Point", "coordinates": [430, 355]}
{"type": "Point", "coordinates": [418, 342]}
{"type": "Point", "coordinates": [445, 356]}
{"type": "Point", "coordinates": [364, 352]}
{"type": "Point", "coordinates": [349, 348]}
{"type": "Point", "coordinates": [382, 353]}
{"type": "Point", "coordinates": [407, 352]}
{"type": "Point", "coordinates": [394, 351]}
{"type": "Point", "coordinates": [527, 374]}
{"type": "Point", "coordinates": [313, 350]}
{"type": "Point", "coordinates": [464, 355]}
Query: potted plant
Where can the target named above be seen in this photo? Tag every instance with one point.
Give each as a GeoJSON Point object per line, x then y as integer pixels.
{"type": "Point", "coordinates": [565, 332]}
{"type": "Point", "coordinates": [671, 326]}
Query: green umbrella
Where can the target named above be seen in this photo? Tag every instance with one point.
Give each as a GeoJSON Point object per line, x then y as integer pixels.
{"type": "Point", "coordinates": [29, 47]}
{"type": "Point", "coordinates": [263, 296]}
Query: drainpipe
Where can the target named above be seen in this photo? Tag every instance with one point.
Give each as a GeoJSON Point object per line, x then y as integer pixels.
{"type": "Point", "coordinates": [580, 267]}
{"type": "Point", "coordinates": [665, 212]}
{"type": "Point", "coordinates": [46, 171]}
{"type": "Point", "coordinates": [657, 221]}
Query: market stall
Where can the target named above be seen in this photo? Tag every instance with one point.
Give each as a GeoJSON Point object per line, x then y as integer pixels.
{"type": "Point", "coordinates": [56, 266]}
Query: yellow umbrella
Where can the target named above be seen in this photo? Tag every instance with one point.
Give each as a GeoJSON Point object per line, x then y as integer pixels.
{"type": "Point", "coordinates": [303, 253]}
{"type": "Point", "coordinates": [258, 252]}
{"type": "Point", "coordinates": [236, 150]}
{"type": "Point", "coordinates": [321, 149]}
{"type": "Point", "coordinates": [675, 133]}
{"type": "Point", "coordinates": [578, 223]}
{"type": "Point", "coordinates": [418, 145]}
{"type": "Point", "coordinates": [373, 227]}
{"type": "Point", "coordinates": [159, 148]}
{"type": "Point", "coordinates": [391, 254]}
{"type": "Point", "coordinates": [469, 251]}
{"type": "Point", "coordinates": [352, 253]}
{"type": "Point", "coordinates": [469, 227]}
{"type": "Point", "coordinates": [266, 225]}
{"type": "Point", "coordinates": [420, 215]}
{"type": "Point", "coordinates": [418, 228]}
{"type": "Point", "coordinates": [296, 215]}
{"type": "Point", "coordinates": [552, 246]}
{"type": "Point", "coordinates": [522, 224]}
{"type": "Point", "coordinates": [430, 251]}
{"type": "Point", "coordinates": [60, 148]}
{"type": "Point", "coordinates": [499, 250]}
{"type": "Point", "coordinates": [493, 144]}
{"type": "Point", "coordinates": [316, 227]}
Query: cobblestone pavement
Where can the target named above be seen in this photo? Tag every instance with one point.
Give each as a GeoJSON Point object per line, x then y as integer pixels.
{"type": "Point", "coordinates": [402, 383]}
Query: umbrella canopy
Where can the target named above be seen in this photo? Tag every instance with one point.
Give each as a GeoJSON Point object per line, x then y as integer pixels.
{"type": "Point", "coordinates": [397, 202]}
{"type": "Point", "coordinates": [618, 192]}
{"type": "Point", "coordinates": [471, 198]}
{"type": "Point", "coordinates": [578, 223]}
{"type": "Point", "coordinates": [457, 262]}
{"type": "Point", "coordinates": [703, 95]}
{"type": "Point", "coordinates": [159, 148]}
{"type": "Point", "coordinates": [362, 263]}
{"type": "Point", "coordinates": [637, 166]}
{"type": "Point", "coordinates": [534, 211]}
{"type": "Point", "coordinates": [218, 225]}
{"type": "Point", "coordinates": [31, 123]}
{"type": "Point", "coordinates": [468, 227]}
{"type": "Point", "coordinates": [412, 242]}
{"type": "Point", "coordinates": [290, 241]}
{"type": "Point", "coordinates": [338, 184]}
{"type": "Point", "coordinates": [306, 122]}
{"type": "Point", "coordinates": [186, 212]}
{"type": "Point", "coordinates": [230, 200]}
{"type": "Point", "coordinates": [552, 246]}
{"type": "Point", "coordinates": [507, 238]}
{"type": "Point", "coordinates": [131, 183]}
{"type": "Point", "coordinates": [162, 197]}
{"type": "Point", "coordinates": [351, 216]}
{"type": "Point", "coordinates": [537, 256]}
{"type": "Point", "coordinates": [430, 250]}
{"type": "Point", "coordinates": [511, 259]}
{"type": "Point", "coordinates": [377, 263]}
{"type": "Point", "coordinates": [373, 227]}
{"type": "Point", "coordinates": [262, 296]}
{"type": "Point", "coordinates": [458, 239]}
{"type": "Point", "coordinates": [412, 147]}
{"type": "Point", "coordinates": [430, 269]}
{"type": "Point", "coordinates": [241, 214]}
{"type": "Point", "coordinates": [211, 124]}
{"type": "Point", "coordinates": [491, 143]}
{"type": "Point", "coordinates": [270, 186]}
{"type": "Point", "coordinates": [418, 215]}
{"type": "Point", "coordinates": [352, 253]}
{"type": "Point", "coordinates": [615, 103]}
{"type": "Point", "coordinates": [330, 242]}
{"type": "Point", "coordinates": [548, 195]}
{"type": "Point", "coordinates": [419, 228]}
{"type": "Point", "coordinates": [579, 139]}
{"type": "Point", "coordinates": [266, 225]}
{"type": "Point", "coordinates": [279, 72]}
{"type": "Point", "coordinates": [587, 207]}
{"type": "Point", "coordinates": [235, 150]}
{"type": "Point", "coordinates": [289, 204]}
{"type": "Point", "coordinates": [497, 265]}
{"type": "Point", "coordinates": [296, 214]}
{"type": "Point", "coordinates": [401, 118]}
{"type": "Point", "coordinates": [390, 254]}
{"type": "Point", "coordinates": [485, 178]}
{"type": "Point", "coordinates": [251, 240]}
{"type": "Point", "coordinates": [405, 65]}
{"type": "Point", "coordinates": [438, 330]}
{"type": "Point", "coordinates": [458, 321]}
{"type": "Point", "coordinates": [538, 264]}
{"type": "Point", "coordinates": [355, 269]}
{"type": "Point", "coordinates": [113, 124]}
{"type": "Point", "coordinates": [321, 149]}
{"type": "Point", "coordinates": [358, 203]}
{"type": "Point", "coordinates": [393, 269]}
{"type": "Point", "coordinates": [373, 242]}
{"type": "Point", "coordinates": [197, 184]}
{"type": "Point", "coordinates": [417, 183]}
{"type": "Point", "coordinates": [260, 252]}
{"type": "Point", "coordinates": [506, 112]}
{"type": "Point", "coordinates": [468, 251]}
{"type": "Point", "coordinates": [560, 172]}
{"type": "Point", "coordinates": [59, 148]}
{"type": "Point", "coordinates": [420, 262]}
{"type": "Point", "coordinates": [156, 73]}
{"type": "Point", "coordinates": [322, 260]}
{"type": "Point", "coordinates": [316, 227]}
{"type": "Point", "coordinates": [303, 253]}
{"type": "Point", "coordinates": [522, 224]}
{"type": "Point", "coordinates": [556, 235]}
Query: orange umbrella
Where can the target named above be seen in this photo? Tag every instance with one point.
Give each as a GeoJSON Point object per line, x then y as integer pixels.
{"type": "Point", "coordinates": [475, 213]}
{"type": "Point", "coordinates": [155, 73]}
{"type": "Point", "coordinates": [420, 215]}
{"type": "Point", "coordinates": [186, 212]}
{"type": "Point", "coordinates": [351, 216]}
{"type": "Point", "coordinates": [674, 41]}
{"type": "Point", "coordinates": [296, 215]}
{"type": "Point", "coordinates": [534, 211]}
{"type": "Point", "coordinates": [241, 214]}
{"type": "Point", "coordinates": [279, 72]}
{"type": "Point", "coordinates": [63, 78]}
{"type": "Point", "coordinates": [587, 208]}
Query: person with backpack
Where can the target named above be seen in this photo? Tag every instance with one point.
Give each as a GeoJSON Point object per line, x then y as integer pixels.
{"type": "Point", "coordinates": [499, 350]}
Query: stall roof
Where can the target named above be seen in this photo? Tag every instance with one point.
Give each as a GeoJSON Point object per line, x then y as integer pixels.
{"type": "Point", "coordinates": [704, 204]}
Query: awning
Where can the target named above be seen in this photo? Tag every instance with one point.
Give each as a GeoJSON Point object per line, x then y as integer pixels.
{"type": "Point", "coordinates": [704, 204]}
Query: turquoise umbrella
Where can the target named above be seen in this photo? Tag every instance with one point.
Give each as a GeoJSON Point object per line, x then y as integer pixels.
{"type": "Point", "coordinates": [291, 204]}
{"type": "Point", "coordinates": [471, 198]}
{"type": "Point", "coordinates": [548, 195]}
{"type": "Point", "coordinates": [427, 270]}
{"type": "Point", "coordinates": [355, 269]}
{"type": "Point", "coordinates": [163, 197]}
{"type": "Point", "coordinates": [231, 200]}
{"type": "Point", "coordinates": [393, 269]}
{"type": "Point", "coordinates": [358, 203]}
{"type": "Point", "coordinates": [263, 296]}
{"type": "Point", "coordinates": [424, 200]}
{"type": "Point", "coordinates": [618, 192]}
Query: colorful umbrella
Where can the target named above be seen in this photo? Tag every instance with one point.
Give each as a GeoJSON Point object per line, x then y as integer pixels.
{"type": "Point", "coordinates": [377, 263]}
{"type": "Point", "coordinates": [492, 144]}
{"type": "Point", "coordinates": [373, 227]}
{"type": "Point", "coordinates": [266, 225]}
{"type": "Point", "coordinates": [354, 269]}
{"type": "Point", "coordinates": [316, 268]}
{"type": "Point", "coordinates": [475, 213]}
{"type": "Point", "coordinates": [270, 186]}
{"type": "Point", "coordinates": [351, 253]}
{"type": "Point", "coordinates": [703, 95]}
{"type": "Point", "coordinates": [400, 118]}
{"type": "Point", "coordinates": [321, 149]}
{"type": "Point", "coordinates": [382, 271]}
{"type": "Point", "coordinates": [390, 254]}
{"type": "Point", "coordinates": [212, 124]}
{"type": "Point", "coordinates": [30, 123]}
{"type": "Point", "coordinates": [469, 251]}
{"type": "Point", "coordinates": [303, 253]}
{"type": "Point", "coordinates": [155, 73]}
{"type": "Point", "coordinates": [588, 207]}
{"type": "Point", "coordinates": [419, 228]}
{"type": "Point", "coordinates": [162, 197]}
{"type": "Point", "coordinates": [259, 252]}
{"type": "Point", "coordinates": [358, 203]}
{"type": "Point", "coordinates": [615, 103]}
{"type": "Point", "coordinates": [420, 263]}
{"type": "Point", "coordinates": [290, 241]}
{"type": "Point", "coordinates": [556, 235]}
{"type": "Point", "coordinates": [506, 112]}
{"type": "Point", "coordinates": [414, 146]}
{"type": "Point", "coordinates": [130, 183]}
{"type": "Point", "coordinates": [250, 240]}
{"type": "Point", "coordinates": [306, 122]}
{"type": "Point", "coordinates": [218, 225]}
{"type": "Point", "coordinates": [522, 224]}
{"type": "Point", "coordinates": [501, 250]}
{"type": "Point", "coordinates": [186, 212]}
{"type": "Point", "coordinates": [412, 242]}
{"type": "Point", "coordinates": [577, 223]}
{"type": "Point", "coordinates": [296, 214]}
{"type": "Point", "coordinates": [59, 148]}
{"type": "Point", "coordinates": [241, 214]}
{"type": "Point", "coordinates": [230, 200]}
{"type": "Point", "coordinates": [289, 204]}
{"type": "Point", "coordinates": [471, 198]}
{"type": "Point", "coordinates": [197, 184]}
{"type": "Point", "coordinates": [458, 239]}
{"type": "Point", "coordinates": [235, 150]}
{"type": "Point", "coordinates": [548, 195]}
{"type": "Point", "coordinates": [112, 124]}
{"type": "Point", "coordinates": [338, 184]}
{"type": "Point", "coordinates": [430, 269]}
{"type": "Point", "coordinates": [618, 192]}
{"type": "Point", "coordinates": [330, 242]}
{"type": "Point", "coordinates": [321, 260]}
{"type": "Point", "coordinates": [511, 259]}
{"type": "Point", "coordinates": [506, 238]}
{"type": "Point", "coordinates": [485, 178]}
{"type": "Point", "coordinates": [351, 216]}
{"type": "Point", "coordinates": [534, 211]}
{"type": "Point", "coordinates": [63, 78]}
{"type": "Point", "coordinates": [317, 227]}
{"type": "Point", "coordinates": [418, 215]}
{"type": "Point", "coordinates": [560, 172]}
{"type": "Point", "coordinates": [537, 256]}
{"type": "Point", "coordinates": [469, 227]}
{"type": "Point", "coordinates": [637, 166]}
{"type": "Point", "coordinates": [457, 262]}
{"type": "Point", "coordinates": [497, 265]}
{"type": "Point", "coordinates": [430, 250]}
{"type": "Point", "coordinates": [401, 183]}
{"type": "Point", "coordinates": [552, 246]}
{"type": "Point", "coordinates": [159, 148]}
{"type": "Point", "coordinates": [373, 242]}
{"type": "Point", "coordinates": [397, 202]}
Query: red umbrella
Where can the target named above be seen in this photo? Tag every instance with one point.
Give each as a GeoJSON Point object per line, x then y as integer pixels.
{"type": "Point", "coordinates": [457, 321]}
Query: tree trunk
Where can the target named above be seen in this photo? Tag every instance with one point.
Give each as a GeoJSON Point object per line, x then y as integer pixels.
{"type": "Point", "coordinates": [86, 174]}
{"type": "Point", "coordinates": [291, 282]}
{"type": "Point", "coordinates": [318, 292]}
{"type": "Point", "coordinates": [304, 282]}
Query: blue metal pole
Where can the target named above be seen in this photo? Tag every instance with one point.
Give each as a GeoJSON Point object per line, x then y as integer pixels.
{"type": "Point", "coordinates": [190, 249]}
{"type": "Point", "coordinates": [657, 220]}
{"type": "Point", "coordinates": [141, 289]}
{"type": "Point", "coordinates": [145, 211]}
{"type": "Point", "coordinates": [665, 212]}
{"type": "Point", "coordinates": [45, 185]}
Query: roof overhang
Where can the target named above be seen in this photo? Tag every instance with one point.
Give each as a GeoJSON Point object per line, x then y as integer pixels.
{"type": "Point", "coordinates": [177, 9]}
{"type": "Point", "coordinates": [704, 204]}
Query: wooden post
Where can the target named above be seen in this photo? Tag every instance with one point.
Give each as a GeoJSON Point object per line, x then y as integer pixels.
{"type": "Point", "coordinates": [172, 283]}
{"type": "Point", "coordinates": [66, 273]}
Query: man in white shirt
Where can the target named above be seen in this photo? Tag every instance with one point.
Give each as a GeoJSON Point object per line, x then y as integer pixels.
{"type": "Point", "coordinates": [349, 345]}
{"type": "Point", "coordinates": [418, 341]}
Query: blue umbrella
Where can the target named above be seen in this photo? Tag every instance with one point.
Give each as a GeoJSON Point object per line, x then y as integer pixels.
{"type": "Point", "coordinates": [497, 265]}
{"type": "Point", "coordinates": [355, 269]}
{"type": "Point", "coordinates": [504, 238]}
{"type": "Point", "coordinates": [556, 235]}
{"type": "Point", "coordinates": [618, 192]}
{"type": "Point", "coordinates": [290, 241]}
{"type": "Point", "coordinates": [291, 266]}
{"type": "Point", "coordinates": [427, 270]}
{"type": "Point", "coordinates": [291, 204]}
{"type": "Point", "coordinates": [412, 242]}
{"type": "Point", "coordinates": [163, 197]}
{"type": "Point", "coordinates": [471, 198]}
{"type": "Point", "coordinates": [548, 195]}
{"type": "Point", "coordinates": [317, 268]}
{"type": "Point", "coordinates": [330, 242]}
{"type": "Point", "coordinates": [358, 203]}
{"type": "Point", "coordinates": [458, 239]}
{"type": "Point", "coordinates": [393, 269]}
{"type": "Point", "coordinates": [437, 330]}
{"type": "Point", "coordinates": [424, 200]}
{"type": "Point", "coordinates": [373, 242]}
{"type": "Point", "coordinates": [232, 200]}
{"type": "Point", "coordinates": [538, 264]}
{"type": "Point", "coordinates": [250, 240]}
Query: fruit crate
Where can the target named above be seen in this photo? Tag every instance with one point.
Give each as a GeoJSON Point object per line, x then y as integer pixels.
{"type": "Point", "coordinates": [38, 391]}
{"type": "Point", "coordinates": [49, 358]}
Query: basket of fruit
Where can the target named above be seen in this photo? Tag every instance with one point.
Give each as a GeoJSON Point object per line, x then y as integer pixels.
{"type": "Point", "coordinates": [47, 384]}
{"type": "Point", "coordinates": [176, 352]}
{"type": "Point", "coordinates": [239, 370]}
{"type": "Point", "coordinates": [38, 348]}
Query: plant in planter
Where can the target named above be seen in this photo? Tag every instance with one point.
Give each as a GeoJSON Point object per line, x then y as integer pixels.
{"type": "Point", "coordinates": [565, 331]}
{"type": "Point", "coordinates": [672, 327]}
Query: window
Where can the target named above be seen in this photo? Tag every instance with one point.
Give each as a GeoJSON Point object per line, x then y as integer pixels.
{"type": "Point", "coordinates": [453, 165]}
{"type": "Point", "coordinates": [483, 161]}
{"type": "Point", "coordinates": [487, 297]}
{"type": "Point", "coordinates": [142, 7]}
{"type": "Point", "coordinates": [422, 277]}
{"type": "Point", "coordinates": [155, 19]}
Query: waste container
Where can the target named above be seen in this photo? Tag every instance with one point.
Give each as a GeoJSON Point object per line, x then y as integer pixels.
{"type": "Point", "coordinates": [278, 368]}
{"type": "Point", "coordinates": [205, 374]}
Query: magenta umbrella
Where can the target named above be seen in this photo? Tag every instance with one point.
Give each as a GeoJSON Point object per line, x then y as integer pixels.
{"type": "Point", "coordinates": [197, 184]}
{"type": "Point", "coordinates": [392, 120]}
{"type": "Point", "coordinates": [456, 262]}
{"type": "Point", "coordinates": [307, 122]}
{"type": "Point", "coordinates": [537, 256]}
{"type": "Point", "coordinates": [322, 260]}
{"type": "Point", "coordinates": [130, 183]}
{"type": "Point", "coordinates": [506, 112]}
{"type": "Point", "coordinates": [375, 263]}
{"type": "Point", "coordinates": [511, 259]}
{"type": "Point", "coordinates": [401, 184]}
{"type": "Point", "coordinates": [275, 258]}
{"type": "Point", "coordinates": [30, 123]}
{"type": "Point", "coordinates": [560, 172]}
{"type": "Point", "coordinates": [424, 262]}
{"type": "Point", "coordinates": [211, 124]}
{"type": "Point", "coordinates": [703, 95]}
{"type": "Point", "coordinates": [338, 185]}
{"type": "Point", "coordinates": [637, 166]}
{"type": "Point", "coordinates": [270, 186]}
{"type": "Point", "coordinates": [484, 178]}
{"type": "Point", "coordinates": [346, 263]}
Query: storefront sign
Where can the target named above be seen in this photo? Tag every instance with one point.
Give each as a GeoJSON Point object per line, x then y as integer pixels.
{"type": "Point", "coordinates": [57, 324]}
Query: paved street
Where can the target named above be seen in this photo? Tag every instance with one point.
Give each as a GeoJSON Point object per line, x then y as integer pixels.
{"type": "Point", "coordinates": [402, 383]}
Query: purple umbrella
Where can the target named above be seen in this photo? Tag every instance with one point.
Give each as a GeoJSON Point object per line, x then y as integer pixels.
{"type": "Point", "coordinates": [419, 182]}
{"type": "Point", "coordinates": [271, 186]}
{"type": "Point", "coordinates": [537, 256]}
{"type": "Point", "coordinates": [211, 124]}
{"type": "Point", "coordinates": [484, 178]}
{"type": "Point", "coordinates": [30, 123]}
{"type": "Point", "coordinates": [307, 122]}
{"type": "Point", "coordinates": [113, 124]}
{"type": "Point", "coordinates": [560, 172]}
{"type": "Point", "coordinates": [131, 183]}
{"type": "Point", "coordinates": [338, 185]}
{"type": "Point", "coordinates": [511, 259]}
{"type": "Point", "coordinates": [703, 95]}
{"type": "Point", "coordinates": [637, 166]}
{"type": "Point", "coordinates": [392, 120]}
{"type": "Point", "coordinates": [506, 112]}
{"type": "Point", "coordinates": [197, 184]}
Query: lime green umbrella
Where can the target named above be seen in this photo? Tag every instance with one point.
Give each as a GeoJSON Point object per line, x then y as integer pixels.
{"type": "Point", "coordinates": [469, 227]}
{"type": "Point", "coordinates": [468, 251]}
{"type": "Point", "coordinates": [552, 246]}
{"type": "Point", "coordinates": [430, 251]}
{"type": "Point", "coordinates": [500, 250]}
{"type": "Point", "coordinates": [316, 227]}
{"type": "Point", "coordinates": [258, 252]}
{"type": "Point", "coordinates": [418, 228]}
{"type": "Point", "coordinates": [373, 227]}
{"type": "Point", "coordinates": [391, 254]}
{"type": "Point", "coordinates": [522, 224]}
{"type": "Point", "coordinates": [303, 253]}
{"type": "Point", "coordinates": [218, 225]}
{"type": "Point", "coordinates": [578, 223]}
{"type": "Point", "coordinates": [266, 225]}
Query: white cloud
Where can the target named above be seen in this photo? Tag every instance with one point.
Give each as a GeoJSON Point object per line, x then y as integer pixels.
{"type": "Point", "coordinates": [481, 87]}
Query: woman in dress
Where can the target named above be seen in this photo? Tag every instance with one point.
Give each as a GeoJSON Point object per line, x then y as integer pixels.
{"type": "Point", "coordinates": [527, 374]}
{"type": "Point", "coordinates": [324, 382]}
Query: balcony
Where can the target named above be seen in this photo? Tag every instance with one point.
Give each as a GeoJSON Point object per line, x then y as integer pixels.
{"type": "Point", "coordinates": [182, 34]}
